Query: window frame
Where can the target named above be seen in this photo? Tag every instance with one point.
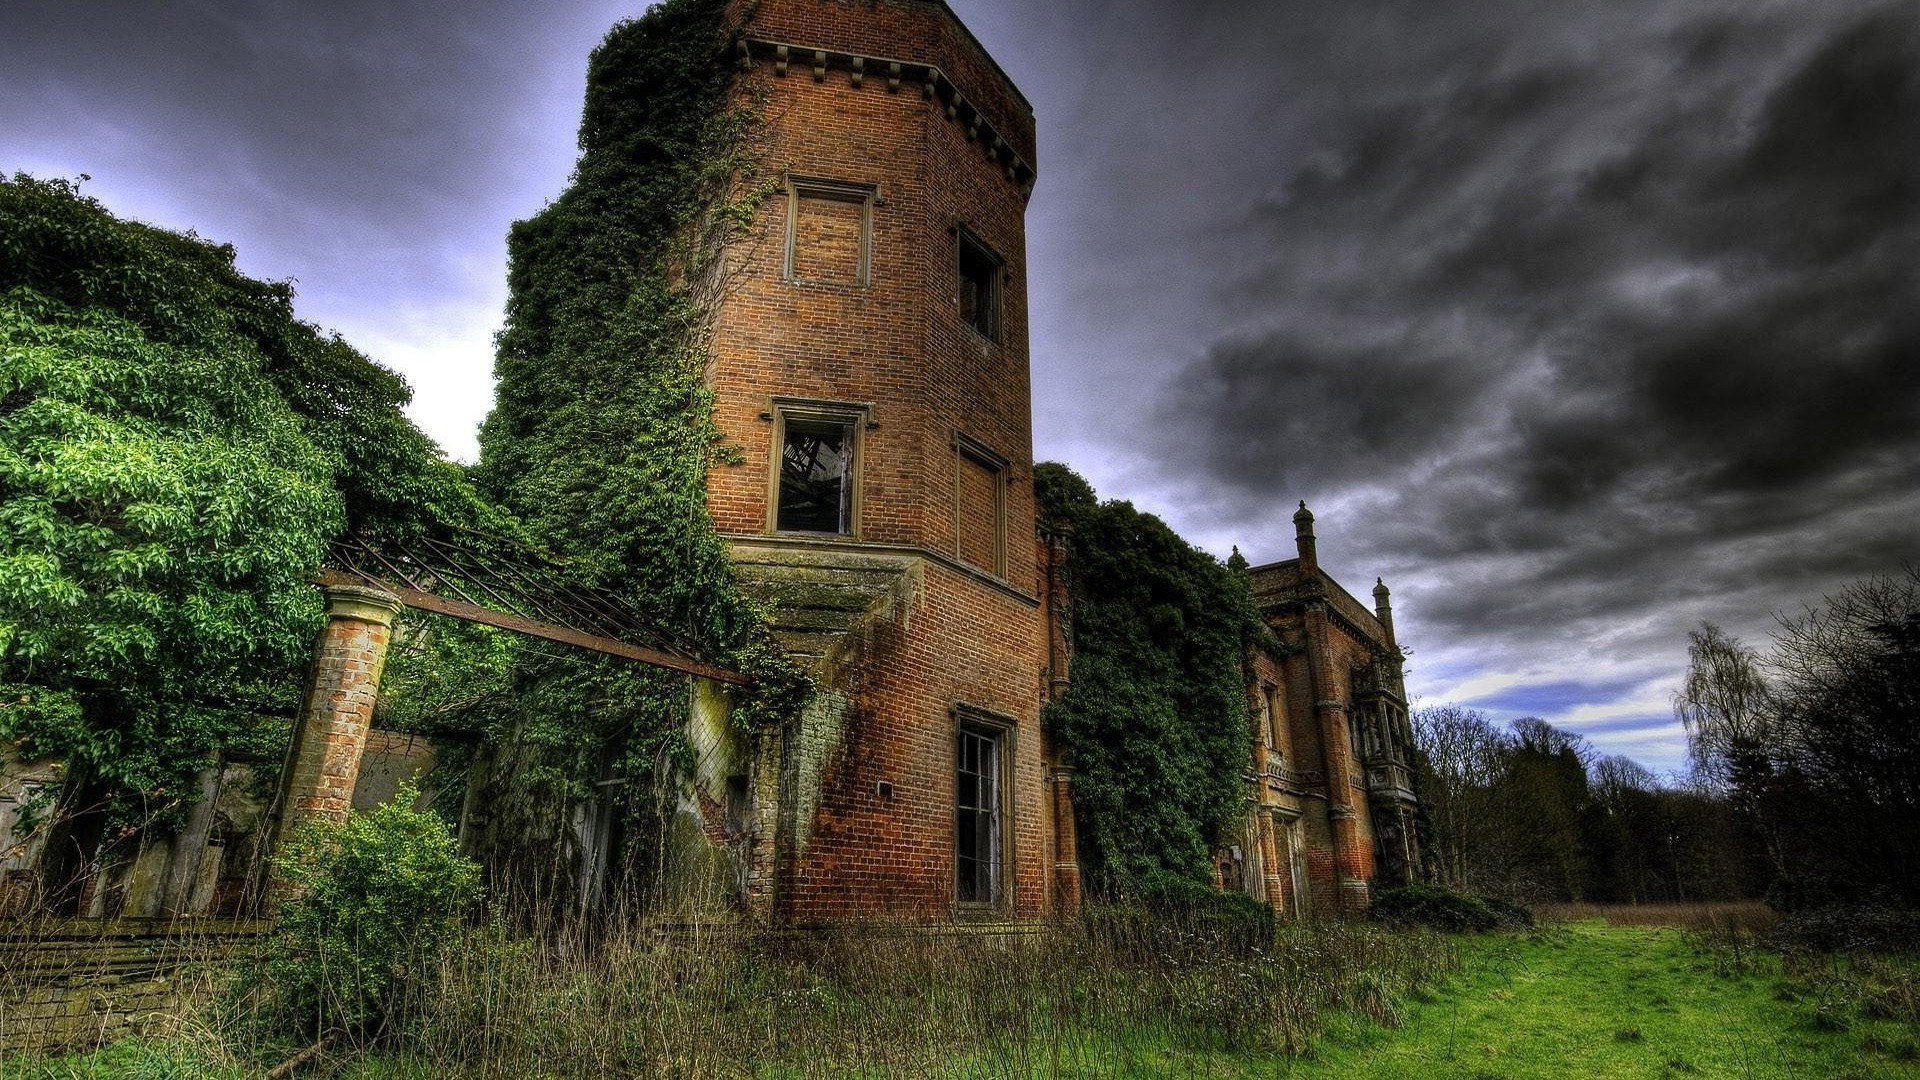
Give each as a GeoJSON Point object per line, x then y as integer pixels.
{"type": "Point", "coordinates": [1270, 704]}
{"type": "Point", "coordinates": [967, 447]}
{"type": "Point", "coordinates": [965, 238]}
{"type": "Point", "coordinates": [866, 195]}
{"type": "Point", "coordinates": [970, 719]}
{"type": "Point", "coordinates": [856, 417]}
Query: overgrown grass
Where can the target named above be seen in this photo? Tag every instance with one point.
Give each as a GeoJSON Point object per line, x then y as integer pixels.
{"type": "Point", "coordinates": [1108, 999]}
{"type": "Point", "coordinates": [1132, 999]}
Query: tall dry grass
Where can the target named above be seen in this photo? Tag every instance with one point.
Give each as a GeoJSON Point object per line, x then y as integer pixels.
{"type": "Point", "coordinates": [1087, 1000]}
{"type": "Point", "coordinates": [1750, 915]}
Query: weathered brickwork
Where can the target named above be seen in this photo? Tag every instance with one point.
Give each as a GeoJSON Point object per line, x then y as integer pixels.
{"type": "Point", "coordinates": [324, 762]}
{"type": "Point", "coordinates": [939, 406]}
{"type": "Point", "coordinates": [1344, 748]}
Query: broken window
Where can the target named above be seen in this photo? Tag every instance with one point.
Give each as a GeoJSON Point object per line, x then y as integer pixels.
{"type": "Point", "coordinates": [816, 477]}
{"type": "Point", "coordinates": [979, 287]}
{"type": "Point", "coordinates": [815, 481]}
{"type": "Point", "coordinates": [829, 232]}
{"type": "Point", "coordinates": [977, 818]}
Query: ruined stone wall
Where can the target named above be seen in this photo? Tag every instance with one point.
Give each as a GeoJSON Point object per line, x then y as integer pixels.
{"type": "Point", "coordinates": [78, 983]}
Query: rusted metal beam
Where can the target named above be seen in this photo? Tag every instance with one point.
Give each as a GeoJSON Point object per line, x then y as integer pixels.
{"type": "Point", "coordinates": [456, 609]}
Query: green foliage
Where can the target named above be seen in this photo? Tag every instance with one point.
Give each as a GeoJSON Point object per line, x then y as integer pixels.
{"type": "Point", "coordinates": [1231, 921]}
{"type": "Point", "coordinates": [603, 432]}
{"type": "Point", "coordinates": [1446, 910]}
{"type": "Point", "coordinates": [1155, 721]}
{"type": "Point", "coordinates": [176, 451]}
{"type": "Point", "coordinates": [370, 906]}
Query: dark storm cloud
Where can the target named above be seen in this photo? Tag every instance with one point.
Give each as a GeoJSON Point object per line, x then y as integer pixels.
{"type": "Point", "coordinates": [374, 152]}
{"type": "Point", "coordinates": [1578, 321]}
{"type": "Point", "coordinates": [342, 109]}
{"type": "Point", "coordinates": [1584, 321]}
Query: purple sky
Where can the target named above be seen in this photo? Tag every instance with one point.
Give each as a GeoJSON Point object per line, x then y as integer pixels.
{"type": "Point", "coordinates": [1580, 323]}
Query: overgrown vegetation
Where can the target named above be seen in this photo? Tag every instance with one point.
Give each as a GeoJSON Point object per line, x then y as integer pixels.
{"type": "Point", "coordinates": [1127, 991]}
{"type": "Point", "coordinates": [176, 451]}
{"type": "Point", "coordinates": [369, 907]}
{"type": "Point", "coordinates": [1155, 722]}
{"type": "Point", "coordinates": [602, 434]}
{"type": "Point", "coordinates": [1631, 992]}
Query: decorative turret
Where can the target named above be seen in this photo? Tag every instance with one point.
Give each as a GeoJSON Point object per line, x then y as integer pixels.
{"type": "Point", "coordinates": [1303, 535]}
{"type": "Point", "coordinates": [1381, 607]}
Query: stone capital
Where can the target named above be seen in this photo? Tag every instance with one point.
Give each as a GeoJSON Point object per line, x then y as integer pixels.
{"type": "Point", "coordinates": [362, 603]}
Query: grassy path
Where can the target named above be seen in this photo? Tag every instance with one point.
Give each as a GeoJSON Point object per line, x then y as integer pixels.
{"type": "Point", "coordinates": [1591, 1000]}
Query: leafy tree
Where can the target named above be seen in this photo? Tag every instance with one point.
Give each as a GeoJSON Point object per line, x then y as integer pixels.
{"type": "Point", "coordinates": [1155, 719]}
{"type": "Point", "coordinates": [176, 451]}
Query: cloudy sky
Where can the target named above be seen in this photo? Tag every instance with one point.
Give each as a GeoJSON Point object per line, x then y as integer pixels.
{"type": "Point", "coordinates": [1578, 322]}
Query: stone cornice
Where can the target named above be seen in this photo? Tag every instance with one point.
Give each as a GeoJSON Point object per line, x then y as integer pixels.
{"type": "Point", "coordinates": [934, 86]}
{"type": "Point", "coordinates": [749, 541]}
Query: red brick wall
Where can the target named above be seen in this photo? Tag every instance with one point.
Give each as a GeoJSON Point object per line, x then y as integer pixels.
{"type": "Point", "coordinates": [898, 344]}
{"type": "Point", "coordinates": [878, 856]}
{"type": "Point", "coordinates": [979, 523]}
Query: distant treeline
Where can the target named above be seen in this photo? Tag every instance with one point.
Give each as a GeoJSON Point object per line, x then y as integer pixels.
{"type": "Point", "coordinates": [1803, 785]}
{"type": "Point", "coordinates": [1532, 813]}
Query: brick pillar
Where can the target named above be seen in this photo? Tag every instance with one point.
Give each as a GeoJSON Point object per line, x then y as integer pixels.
{"type": "Point", "coordinates": [1066, 845]}
{"type": "Point", "coordinates": [1270, 864]}
{"type": "Point", "coordinates": [1330, 711]}
{"type": "Point", "coordinates": [324, 760]}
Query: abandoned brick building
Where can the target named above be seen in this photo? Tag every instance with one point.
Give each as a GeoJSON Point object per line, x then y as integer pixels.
{"type": "Point", "coordinates": [872, 360]}
{"type": "Point", "coordinates": [870, 357]}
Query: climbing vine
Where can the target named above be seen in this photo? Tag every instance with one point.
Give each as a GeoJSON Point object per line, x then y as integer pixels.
{"type": "Point", "coordinates": [603, 432]}
{"type": "Point", "coordinates": [176, 451]}
{"type": "Point", "coordinates": [1155, 720]}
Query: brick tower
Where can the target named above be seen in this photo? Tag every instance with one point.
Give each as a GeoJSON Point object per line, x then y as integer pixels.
{"type": "Point", "coordinates": [870, 358]}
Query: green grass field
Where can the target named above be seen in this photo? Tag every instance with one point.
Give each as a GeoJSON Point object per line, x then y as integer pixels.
{"type": "Point", "coordinates": [1585, 1000]}
{"type": "Point", "coordinates": [1589, 1000]}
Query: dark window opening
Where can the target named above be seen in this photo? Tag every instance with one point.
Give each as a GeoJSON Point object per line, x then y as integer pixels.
{"type": "Point", "coordinates": [977, 818]}
{"type": "Point", "coordinates": [816, 471]}
{"type": "Point", "coordinates": [979, 287]}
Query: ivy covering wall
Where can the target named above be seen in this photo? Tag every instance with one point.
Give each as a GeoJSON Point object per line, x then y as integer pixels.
{"type": "Point", "coordinates": [603, 430]}
{"type": "Point", "coordinates": [1155, 720]}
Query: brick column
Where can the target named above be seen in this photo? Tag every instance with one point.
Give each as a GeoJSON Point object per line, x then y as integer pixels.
{"type": "Point", "coordinates": [1270, 868]}
{"type": "Point", "coordinates": [1066, 845]}
{"type": "Point", "coordinates": [323, 761]}
{"type": "Point", "coordinates": [1350, 858]}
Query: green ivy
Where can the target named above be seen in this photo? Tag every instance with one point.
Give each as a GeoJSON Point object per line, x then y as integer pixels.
{"type": "Point", "coordinates": [1156, 717]}
{"type": "Point", "coordinates": [603, 434]}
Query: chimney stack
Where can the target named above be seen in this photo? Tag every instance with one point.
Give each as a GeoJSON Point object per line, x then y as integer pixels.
{"type": "Point", "coordinates": [1381, 606]}
{"type": "Point", "coordinates": [1303, 535]}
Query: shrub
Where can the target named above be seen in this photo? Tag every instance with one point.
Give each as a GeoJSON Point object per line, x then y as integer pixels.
{"type": "Point", "coordinates": [369, 906]}
{"type": "Point", "coordinates": [1230, 920]}
{"type": "Point", "coordinates": [1848, 927]}
{"type": "Point", "coordinates": [1444, 909]}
